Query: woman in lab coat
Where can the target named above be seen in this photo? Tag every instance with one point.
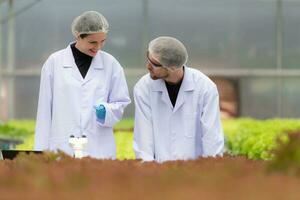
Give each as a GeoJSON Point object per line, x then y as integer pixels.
{"type": "Point", "coordinates": [83, 92]}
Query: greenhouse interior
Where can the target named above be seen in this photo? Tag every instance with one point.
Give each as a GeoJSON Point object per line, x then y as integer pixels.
{"type": "Point", "coordinates": [249, 48]}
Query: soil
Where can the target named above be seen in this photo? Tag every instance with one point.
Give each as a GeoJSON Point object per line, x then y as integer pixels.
{"type": "Point", "coordinates": [49, 177]}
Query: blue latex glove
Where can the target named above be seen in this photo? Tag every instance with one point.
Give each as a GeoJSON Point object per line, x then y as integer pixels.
{"type": "Point", "coordinates": [100, 113]}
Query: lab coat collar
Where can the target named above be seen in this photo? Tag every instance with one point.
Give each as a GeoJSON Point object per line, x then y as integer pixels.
{"type": "Point", "coordinates": [187, 85]}
{"type": "Point", "coordinates": [96, 66]}
{"type": "Point", "coordinates": [69, 62]}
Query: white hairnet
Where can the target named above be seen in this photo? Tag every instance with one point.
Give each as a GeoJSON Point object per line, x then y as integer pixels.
{"type": "Point", "coordinates": [89, 22]}
{"type": "Point", "coordinates": [169, 51]}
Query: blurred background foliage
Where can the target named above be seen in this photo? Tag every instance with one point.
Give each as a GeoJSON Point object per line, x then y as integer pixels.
{"type": "Point", "coordinates": [255, 139]}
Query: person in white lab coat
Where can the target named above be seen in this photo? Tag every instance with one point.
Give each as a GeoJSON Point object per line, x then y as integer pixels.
{"type": "Point", "coordinates": [83, 91]}
{"type": "Point", "coordinates": [177, 115]}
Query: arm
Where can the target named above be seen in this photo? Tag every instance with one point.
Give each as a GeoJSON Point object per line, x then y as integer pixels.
{"type": "Point", "coordinates": [212, 132]}
{"type": "Point", "coordinates": [143, 141]}
{"type": "Point", "coordinates": [44, 111]}
{"type": "Point", "coordinates": [118, 98]}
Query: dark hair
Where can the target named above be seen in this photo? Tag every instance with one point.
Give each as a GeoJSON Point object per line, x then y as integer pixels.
{"type": "Point", "coordinates": [83, 35]}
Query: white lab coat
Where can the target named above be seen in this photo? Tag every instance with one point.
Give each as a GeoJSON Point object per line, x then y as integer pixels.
{"type": "Point", "coordinates": [66, 103]}
{"type": "Point", "coordinates": [190, 129]}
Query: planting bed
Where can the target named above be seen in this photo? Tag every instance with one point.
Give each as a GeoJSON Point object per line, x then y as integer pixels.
{"type": "Point", "coordinates": [58, 176]}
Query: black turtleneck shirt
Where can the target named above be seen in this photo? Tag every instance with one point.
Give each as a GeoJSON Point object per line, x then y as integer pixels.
{"type": "Point", "coordinates": [173, 90]}
{"type": "Point", "coordinates": [82, 60]}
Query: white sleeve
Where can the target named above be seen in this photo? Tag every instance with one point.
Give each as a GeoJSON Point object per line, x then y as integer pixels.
{"type": "Point", "coordinates": [212, 132]}
{"type": "Point", "coordinates": [44, 111]}
{"type": "Point", "coordinates": [143, 141]}
{"type": "Point", "coordinates": [118, 98]}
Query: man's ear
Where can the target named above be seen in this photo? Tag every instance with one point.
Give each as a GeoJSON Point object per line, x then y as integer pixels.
{"type": "Point", "coordinates": [77, 37]}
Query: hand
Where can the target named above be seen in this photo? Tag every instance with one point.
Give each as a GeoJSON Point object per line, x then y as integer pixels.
{"type": "Point", "coordinates": [100, 113]}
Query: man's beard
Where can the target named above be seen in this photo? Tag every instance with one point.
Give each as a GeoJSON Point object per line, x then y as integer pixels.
{"type": "Point", "coordinates": [154, 77]}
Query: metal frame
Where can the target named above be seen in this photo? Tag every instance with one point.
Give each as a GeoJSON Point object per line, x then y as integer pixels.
{"type": "Point", "coordinates": [230, 73]}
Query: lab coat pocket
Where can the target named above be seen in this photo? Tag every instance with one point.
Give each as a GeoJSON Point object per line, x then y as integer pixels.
{"type": "Point", "coordinates": [189, 125]}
